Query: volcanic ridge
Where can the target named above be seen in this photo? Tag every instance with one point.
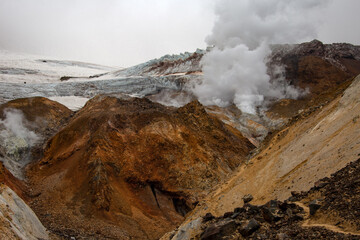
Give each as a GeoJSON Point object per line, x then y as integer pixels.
{"type": "Point", "coordinates": [144, 159]}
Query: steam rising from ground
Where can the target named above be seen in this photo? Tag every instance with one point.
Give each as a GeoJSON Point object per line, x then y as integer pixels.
{"type": "Point", "coordinates": [235, 69]}
{"type": "Point", "coordinates": [15, 141]}
{"type": "Point", "coordinates": [172, 98]}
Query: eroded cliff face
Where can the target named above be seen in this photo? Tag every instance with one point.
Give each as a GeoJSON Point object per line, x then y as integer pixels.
{"type": "Point", "coordinates": [132, 168]}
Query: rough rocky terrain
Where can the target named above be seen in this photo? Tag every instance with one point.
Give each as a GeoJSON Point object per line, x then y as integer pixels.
{"type": "Point", "coordinates": [313, 67]}
{"type": "Point", "coordinates": [335, 200]}
{"type": "Point", "coordinates": [131, 168]}
{"type": "Point", "coordinates": [317, 144]}
{"type": "Point", "coordinates": [328, 211]}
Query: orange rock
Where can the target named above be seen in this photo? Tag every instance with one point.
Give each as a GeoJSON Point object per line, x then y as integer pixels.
{"type": "Point", "coordinates": [132, 166]}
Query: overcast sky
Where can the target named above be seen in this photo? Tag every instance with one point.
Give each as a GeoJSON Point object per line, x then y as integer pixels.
{"type": "Point", "coordinates": [128, 32]}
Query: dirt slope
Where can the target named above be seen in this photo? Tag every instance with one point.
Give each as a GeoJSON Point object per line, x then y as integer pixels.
{"type": "Point", "coordinates": [131, 168]}
{"type": "Point", "coordinates": [301, 154]}
{"type": "Point", "coordinates": [328, 211]}
{"type": "Point", "coordinates": [339, 200]}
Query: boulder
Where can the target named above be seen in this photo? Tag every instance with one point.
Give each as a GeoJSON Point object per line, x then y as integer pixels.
{"type": "Point", "coordinates": [314, 206]}
{"type": "Point", "coordinates": [208, 217]}
{"type": "Point", "coordinates": [219, 230]}
{"type": "Point", "coordinates": [249, 228]}
{"type": "Point", "coordinates": [248, 198]}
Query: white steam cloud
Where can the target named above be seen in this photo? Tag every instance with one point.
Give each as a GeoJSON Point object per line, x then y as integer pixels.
{"type": "Point", "coordinates": [14, 124]}
{"type": "Point", "coordinates": [15, 141]}
{"type": "Point", "coordinates": [235, 69]}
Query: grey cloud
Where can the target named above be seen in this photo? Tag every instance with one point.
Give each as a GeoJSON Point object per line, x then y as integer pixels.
{"type": "Point", "coordinates": [128, 32]}
{"type": "Point", "coordinates": [113, 32]}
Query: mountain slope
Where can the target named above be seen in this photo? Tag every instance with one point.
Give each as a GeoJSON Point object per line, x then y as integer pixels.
{"type": "Point", "coordinates": [131, 168]}
{"type": "Point", "coordinates": [169, 79]}
{"type": "Point", "coordinates": [312, 148]}
{"type": "Point", "coordinates": [328, 211]}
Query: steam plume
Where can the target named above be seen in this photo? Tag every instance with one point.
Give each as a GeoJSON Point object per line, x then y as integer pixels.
{"type": "Point", "coordinates": [15, 141]}
{"type": "Point", "coordinates": [235, 69]}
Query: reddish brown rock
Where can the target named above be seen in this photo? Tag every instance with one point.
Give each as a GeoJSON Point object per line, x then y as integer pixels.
{"type": "Point", "coordinates": [132, 166]}
{"type": "Point", "coordinates": [44, 116]}
{"type": "Point", "coordinates": [18, 186]}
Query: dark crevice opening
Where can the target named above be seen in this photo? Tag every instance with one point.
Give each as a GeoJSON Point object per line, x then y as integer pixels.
{"type": "Point", "coordinates": [180, 206]}
{"type": "Point", "coordinates": [154, 193]}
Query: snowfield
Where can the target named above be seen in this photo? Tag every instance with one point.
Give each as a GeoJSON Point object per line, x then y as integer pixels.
{"type": "Point", "coordinates": [21, 68]}
{"type": "Point", "coordinates": [23, 75]}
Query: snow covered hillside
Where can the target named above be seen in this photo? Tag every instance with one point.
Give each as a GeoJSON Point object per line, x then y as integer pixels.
{"type": "Point", "coordinates": [72, 83]}
{"type": "Point", "coordinates": [25, 68]}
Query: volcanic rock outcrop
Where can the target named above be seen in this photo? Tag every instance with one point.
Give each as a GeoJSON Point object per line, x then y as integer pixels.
{"type": "Point", "coordinates": [336, 215]}
{"type": "Point", "coordinates": [335, 200]}
{"type": "Point", "coordinates": [131, 168]}
{"type": "Point", "coordinates": [313, 66]}
{"type": "Point", "coordinates": [25, 124]}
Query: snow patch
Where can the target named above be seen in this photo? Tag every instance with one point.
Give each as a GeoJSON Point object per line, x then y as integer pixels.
{"type": "Point", "coordinates": [74, 103]}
